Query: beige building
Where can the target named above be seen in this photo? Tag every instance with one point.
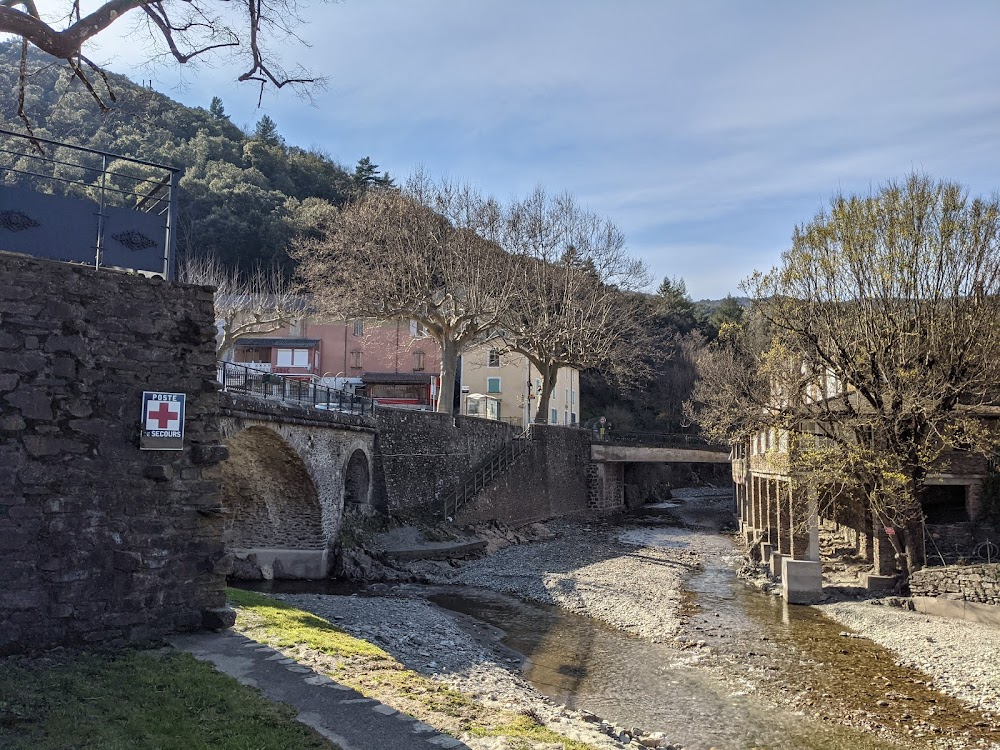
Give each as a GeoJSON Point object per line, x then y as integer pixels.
{"type": "Point", "coordinates": [506, 386]}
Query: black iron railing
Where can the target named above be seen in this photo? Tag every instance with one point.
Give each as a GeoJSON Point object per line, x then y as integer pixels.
{"type": "Point", "coordinates": [252, 381]}
{"type": "Point", "coordinates": [70, 203]}
{"type": "Point", "coordinates": [483, 475]}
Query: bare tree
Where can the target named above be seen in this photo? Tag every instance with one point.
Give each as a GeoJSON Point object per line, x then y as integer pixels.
{"type": "Point", "coordinates": [879, 347]}
{"type": "Point", "coordinates": [389, 256]}
{"type": "Point", "coordinates": [245, 303]}
{"type": "Point", "coordinates": [573, 278]}
{"type": "Point", "coordinates": [183, 31]}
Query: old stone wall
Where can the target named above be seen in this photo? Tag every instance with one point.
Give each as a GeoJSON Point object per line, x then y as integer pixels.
{"type": "Point", "coordinates": [420, 455]}
{"type": "Point", "coordinates": [99, 541]}
{"type": "Point", "coordinates": [284, 482]}
{"type": "Point", "coordinates": [546, 481]}
{"type": "Point", "coordinates": [973, 583]}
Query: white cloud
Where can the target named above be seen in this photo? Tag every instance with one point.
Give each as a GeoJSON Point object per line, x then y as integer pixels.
{"type": "Point", "coordinates": [703, 129]}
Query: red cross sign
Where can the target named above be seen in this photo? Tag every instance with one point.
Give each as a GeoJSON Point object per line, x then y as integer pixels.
{"type": "Point", "coordinates": [162, 417]}
{"type": "Point", "coordinates": [162, 421]}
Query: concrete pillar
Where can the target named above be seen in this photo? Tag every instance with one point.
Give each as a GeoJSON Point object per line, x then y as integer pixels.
{"type": "Point", "coordinates": [801, 581]}
{"type": "Point", "coordinates": [866, 543]}
{"type": "Point", "coordinates": [884, 553]}
{"type": "Point", "coordinates": [798, 521]}
{"type": "Point", "coordinates": [812, 522]}
{"type": "Point", "coordinates": [772, 512]}
{"type": "Point", "coordinates": [753, 508]}
{"type": "Point", "coordinates": [784, 515]}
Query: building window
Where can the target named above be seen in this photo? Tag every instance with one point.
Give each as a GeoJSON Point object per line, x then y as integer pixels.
{"type": "Point", "coordinates": [418, 361]}
{"type": "Point", "coordinates": [493, 385]}
{"type": "Point", "coordinates": [359, 328]}
{"type": "Point", "coordinates": [493, 358]}
{"type": "Point", "coordinates": [555, 417]}
{"type": "Point", "coordinates": [417, 329]}
{"type": "Point", "coordinates": [355, 360]}
{"type": "Point", "coordinates": [293, 358]}
{"type": "Point", "coordinates": [572, 418]}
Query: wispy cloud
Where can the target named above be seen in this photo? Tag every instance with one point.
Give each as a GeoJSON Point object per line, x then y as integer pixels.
{"type": "Point", "coordinates": [705, 130]}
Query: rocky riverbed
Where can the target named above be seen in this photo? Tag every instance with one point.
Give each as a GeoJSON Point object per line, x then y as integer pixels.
{"type": "Point", "coordinates": [659, 578]}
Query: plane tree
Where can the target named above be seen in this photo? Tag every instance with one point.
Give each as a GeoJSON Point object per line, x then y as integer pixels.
{"type": "Point", "coordinates": [390, 256]}
{"type": "Point", "coordinates": [246, 303]}
{"type": "Point", "coordinates": [247, 32]}
{"type": "Point", "coordinates": [875, 343]}
{"type": "Point", "coordinates": [575, 305]}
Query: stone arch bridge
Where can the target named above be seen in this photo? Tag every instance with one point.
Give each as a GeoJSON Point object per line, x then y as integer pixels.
{"type": "Point", "coordinates": [292, 476]}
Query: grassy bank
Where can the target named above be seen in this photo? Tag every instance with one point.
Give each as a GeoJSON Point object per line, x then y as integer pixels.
{"type": "Point", "coordinates": [374, 673]}
{"type": "Point", "coordinates": [138, 700]}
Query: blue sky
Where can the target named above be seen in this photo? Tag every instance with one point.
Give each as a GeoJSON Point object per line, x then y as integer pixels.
{"type": "Point", "coordinates": [705, 130]}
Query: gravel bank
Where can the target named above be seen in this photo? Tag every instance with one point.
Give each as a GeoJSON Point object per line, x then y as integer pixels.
{"type": "Point", "coordinates": [629, 578]}
{"type": "Point", "coordinates": [963, 658]}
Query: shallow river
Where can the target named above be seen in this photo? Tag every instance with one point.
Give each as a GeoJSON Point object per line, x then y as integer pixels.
{"type": "Point", "coordinates": [748, 672]}
{"type": "Point", "coordinates": [701, 696]}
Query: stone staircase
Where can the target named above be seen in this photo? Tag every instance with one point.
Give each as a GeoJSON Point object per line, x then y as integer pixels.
{"type": "Point", "coordinates": [481, 477]}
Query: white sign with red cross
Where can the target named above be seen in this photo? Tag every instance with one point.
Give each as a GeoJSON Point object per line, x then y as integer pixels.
{"type": "Point", "coordinates": [162, 426]}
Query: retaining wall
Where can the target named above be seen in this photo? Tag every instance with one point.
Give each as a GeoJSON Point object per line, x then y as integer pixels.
{"type": "Point", "coordinates": [421, 455]}
{"type": "Point", "coordinates": [99, 541]}
{"type": "Point", "coordinates": [548, 480]}
{"type": "Point", "coordinates": [972, 583]}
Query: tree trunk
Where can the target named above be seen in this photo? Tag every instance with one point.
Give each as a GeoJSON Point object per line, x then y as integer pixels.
{"type": "Point", "coordinates": [548, 371]}
{"type": "Point", "coordinates": [449, 365]}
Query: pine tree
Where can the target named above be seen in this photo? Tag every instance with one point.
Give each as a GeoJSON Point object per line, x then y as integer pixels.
{"type": "Point", "coordinates": [217, 110]}
{"type": "Point", "coordinates": [266, 131]}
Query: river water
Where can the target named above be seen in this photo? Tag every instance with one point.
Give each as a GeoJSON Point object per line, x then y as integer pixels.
{"type": "Point", "coordinates": [706, 692]}
{"type": "Point", "coordinates": [747, 671]}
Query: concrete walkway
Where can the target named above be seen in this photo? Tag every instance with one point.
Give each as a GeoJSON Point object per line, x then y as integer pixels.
{"type": "Point", "coordinates": [337, 712]}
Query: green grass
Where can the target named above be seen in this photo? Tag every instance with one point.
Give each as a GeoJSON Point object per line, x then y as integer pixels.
{"type": "Point", "coordinates": [281, 626]}
{"type": "Point", "coordinates": [375, 673]}
{"type": "Point", "coordinates": [138, 700]}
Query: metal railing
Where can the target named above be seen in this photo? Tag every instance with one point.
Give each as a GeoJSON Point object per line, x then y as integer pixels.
{"type": "Point", "coordinates": [250, 381]}
{"type": "Point", "coordinates": [50, 196]}
{"type": "Point", "coordinates": [483, 475]}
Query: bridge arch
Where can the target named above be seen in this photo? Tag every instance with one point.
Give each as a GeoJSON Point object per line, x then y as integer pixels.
{"type": "Point", "coordinates": [271, 500]}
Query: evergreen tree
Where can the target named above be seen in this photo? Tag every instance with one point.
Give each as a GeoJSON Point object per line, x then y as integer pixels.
{"type": "Point", "coordinates": [217, 110]}
{"type": "Point", "coordinates": [729, 312]}
{"type": "Point", "coordinates": [366, 175]}
{"type": "Point", "coordinates": [266, 131]}
{"type": "Point", "coordinates": [674, 306]}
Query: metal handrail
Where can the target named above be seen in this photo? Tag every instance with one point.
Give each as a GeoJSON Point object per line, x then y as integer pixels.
{"type": "Point", "coordinates": [250, 381]}
{"type": "Point", "coordinates": [482, 477]}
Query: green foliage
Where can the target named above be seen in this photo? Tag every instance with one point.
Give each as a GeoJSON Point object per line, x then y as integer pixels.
{"type": "Point", "coordinates": [366, 176]}
{"type": "Point", "coordinates": [242, 199]}
{"type": "Point", "coordinates": [138, 700]}
{"type": "Point", "coordinates": [266, 131]}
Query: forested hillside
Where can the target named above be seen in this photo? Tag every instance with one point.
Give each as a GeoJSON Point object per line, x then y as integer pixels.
{"type": "Point", "coordinates": [244, 195]}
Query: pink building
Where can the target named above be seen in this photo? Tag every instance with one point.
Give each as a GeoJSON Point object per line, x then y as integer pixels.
{"type": "Point", "coordinates": [394, 362]}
